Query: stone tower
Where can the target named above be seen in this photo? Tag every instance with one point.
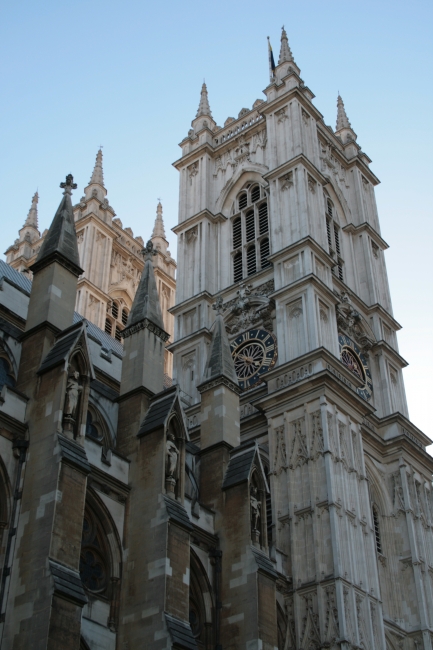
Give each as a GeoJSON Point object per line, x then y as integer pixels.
{"type": "Point", "coordinates": [278, 226]}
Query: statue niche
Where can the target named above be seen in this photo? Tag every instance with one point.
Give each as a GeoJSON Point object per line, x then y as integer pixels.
{"type": "Point", "coordinates": [255, 510]}
{"type": "Point", "coordinates": [74, 390]}
{"type": "Point", "coordinates": [171, 463]}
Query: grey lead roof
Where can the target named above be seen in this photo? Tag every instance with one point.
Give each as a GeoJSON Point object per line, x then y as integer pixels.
{"type": "Point", "coordinates": [61, 238]}
{"type": "Point", "coordinates": [220, 361]}
{"type": "Point", "coordinates": [177, 513]}
{"type": "Point", "coordinates": [180, 633]}
{"type": "Point", "coordinates": [263, 562]}
{"type": "Point", "coordinates": [158, 412]}
{"type": "Point", "coordinates": [67, 582]}
{"type": "Point", "coordinates": [24, 284]}
{"type": "Point", "coordinates": [60, 349]}
{"type": "Point", "coordinates": [239, 468]}
{"type": "Point", "coordinates": [73, 453]}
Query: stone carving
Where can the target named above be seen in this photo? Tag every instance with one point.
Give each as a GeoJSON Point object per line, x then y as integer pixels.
{"type": "Point", "coordinates": [250, 308]}
{"type": "Point", "coordinates": [332, 632]}
{"type": "Point", "coordinates": [350, 321]}
{"type": "Point", "coordinates": [299, 455]}
{"type": "Point", "coordinates": [305, 117]}
{"type": "Point", "coordinates": [294, 376]}
{"type": "Point", "coordinates": [192, 171]}
{"type": "Point", "coordinates": [310, 633]}
{"type": "Point", "coordinates": [345, 455]}
{"type": "Point", "coordinates": [290, 640]}
{"type": "Point", "coordinates": [73, 391]}
{"type": "Point", "coordinates": [242, 151]}
{"type": "Point", "coordinates": [331, 435]}
{"type": "Point", "coordinates": [312, 184]}
{"type": "Point", "coordinates": [363, 637]}
{"type": "Point", "coordinates": [191, 234]}
{"type": "Point", "coordinates": [317, 445]}
{"type": "Point", "coordinates": [255, 510]}
{"type": "Point", "coordinates": [281, 114]}
{"type": "Point", "coordinates": [347, 614]}
{"type": "Point", "coordinates": [280, 456]}
{"type": "Point", "coordinates": [286, 181]}
{"type": "Point", "coordinates": [171, 461]}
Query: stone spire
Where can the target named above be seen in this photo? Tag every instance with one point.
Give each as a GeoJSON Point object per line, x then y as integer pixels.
{"type": "Point", "coordinates": [220, 361]}
{"type": "Point", "coordinates": [96, 185]}
{"type": "Point", "coordinates": [158, 228]}
{"type": "Point", "coordinates": [203, 107]}
{"type": "Point", "coordinates": [98, 174]}
{"type": "Point", "coordinates": [32, 217]}
{"type": "Point", "coordinates": [285, 51]}
{"type": "Point", "coordinates": [60, 243]}
{"type": "Point", "coordinates": [146, 306]}
{"type": "Point", "coordinates": [342, 119]}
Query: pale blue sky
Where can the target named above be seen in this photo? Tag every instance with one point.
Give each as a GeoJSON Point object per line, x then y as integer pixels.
{"type": "Point", "coordinates": [128, 74]}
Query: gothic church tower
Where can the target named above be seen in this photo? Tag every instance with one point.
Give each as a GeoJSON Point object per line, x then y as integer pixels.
{"type": "Point", "coordinates": [278, 229]}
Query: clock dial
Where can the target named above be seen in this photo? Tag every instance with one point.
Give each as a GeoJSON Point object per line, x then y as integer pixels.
{"type": "Point", "coordinates": [254, 353]}
{"type": "Point", "coordinates": [356, 362]}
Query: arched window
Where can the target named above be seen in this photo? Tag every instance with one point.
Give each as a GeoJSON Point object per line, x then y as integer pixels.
{"type": "Point", "coordinates": [377, 529]}
{"type": "Point", "coordinates": [92, 429]}
{"type": "Point", "coordinates": [254, 212]}
{"type": "Point", "coordinates": [200, 605]}
{"type": "Point", "coordinates": [264, 253]}
{"type": "Point", "coordinates": [250, 225]}
{"type": "Point", "coordinates": [94, 559]}
{"type": "Point", "coordinates": [108, 326]}
{"type": "Point", "coordinates": [115, 309]}
{"type": "Point", "coordinates": [117, 335]}
{"type": "Point", "coordinates": [255, 193]}
{"type": "Point", "coordinates": [237, 232]}
{"type": "Point", "coordinates": [6, 376]}
{"type": "Point", "coordinates": [333, 237]}
{"type": "Point", "coordinates": [124, 316]}
{"type": "Point", "coordinates": [251, 260]}
{"type": "Point", "coordinates": [237, 267]}
{"type": "Point", "coordinates": [242, 201]}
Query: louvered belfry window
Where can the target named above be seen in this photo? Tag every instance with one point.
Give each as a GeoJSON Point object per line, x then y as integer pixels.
{"type": "Point", "coordinates": [333, 235]}
{"type": "Point", "coordinates": [250, 233]}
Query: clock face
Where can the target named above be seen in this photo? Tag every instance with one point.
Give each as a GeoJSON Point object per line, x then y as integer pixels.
{"type": "Point", "coordinates": [254, 353]}
{"type": "Point", "coordinates": [356, 362]}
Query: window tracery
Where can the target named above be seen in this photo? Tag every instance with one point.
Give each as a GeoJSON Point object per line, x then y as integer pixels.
{"type": "Point", "coordinates": [94, 563]}
{"type": "Point", "coordinates": [250, 228]}
{"type": "Point", "coordinates": [6, 375]}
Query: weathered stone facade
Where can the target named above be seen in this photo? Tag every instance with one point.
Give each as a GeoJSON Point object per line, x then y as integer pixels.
{"type": "Point", "coordinates": [276, 495]}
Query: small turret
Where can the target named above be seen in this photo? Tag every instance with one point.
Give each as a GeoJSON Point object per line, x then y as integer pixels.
{"type": "Point", "coordinates": [343, 128]}
{"type": "Point", "coordinates": [144, 334]}
{"type": "Point", "coordinates": [158, 235]}
{"type": "Point", "coordinates": [219, 390]}
{"type": "Point", "coordinates": [286, 60]}
{"type": "Point", "coordinates": [203, 117]}
{"type": "Point", "coordinates": [96, 185]}
{"type": "Point", "coordinates": [29, 232]}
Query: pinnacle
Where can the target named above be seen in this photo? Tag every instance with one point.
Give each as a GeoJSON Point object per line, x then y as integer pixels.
{"type": "Point", "coordinates": [285, 51]}
{"type": "Point", "coordinates": [203, 107]}
{"type": "Point", "coordinates": [146, 303]}
{"type": "Point", "coordinates": [32, 217]}
{"type": "Point", "coordinates": [342, 119]}
{"type": "Point", "coordinates": [60, 243]}
{"type": "Point", "coordinates": [98, 174]}
{"type": "Point", "coordinates": [220, 360]}
{"type": "Point", "coordinates": [158, 228]}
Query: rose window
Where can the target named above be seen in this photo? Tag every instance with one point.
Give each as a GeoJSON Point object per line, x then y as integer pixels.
{"type": "Point", "coordinates": [353, 363]}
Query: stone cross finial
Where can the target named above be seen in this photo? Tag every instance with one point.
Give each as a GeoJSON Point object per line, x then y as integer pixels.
{"type": "Point", "coordinates": [218, 305]}
{"type": "Point", "coordinates": [69, 185]}
{"type": "Point", "coordinates": [149, 251]}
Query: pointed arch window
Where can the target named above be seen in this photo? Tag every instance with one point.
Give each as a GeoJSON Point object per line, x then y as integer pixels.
{"type": "Point", "coordinates": [250, 231]}
{"type": "Point", "coordinates": [94, 565]}
{"type": "Point", "coordinates": [6, 376]}
{"type": "Point", "coordinates": [333, 235]}
{"type": "Point", "coordinates": [251, 260]}
{"type": "Point", "coordinates": [377, 529]}
{"type": "Point", "coordinates": [124, 316]}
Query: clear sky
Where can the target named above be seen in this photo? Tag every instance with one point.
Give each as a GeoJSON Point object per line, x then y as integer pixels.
{"type": "Point", "coordinates": [127, 75]}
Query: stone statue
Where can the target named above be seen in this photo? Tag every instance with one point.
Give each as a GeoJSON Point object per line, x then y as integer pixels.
{"type": "Point", "coordinates": [172, 455]}
{"type": "Point", "coordinates": [73, 390]}
{"type": "Point", "coordinates": [255, 509]}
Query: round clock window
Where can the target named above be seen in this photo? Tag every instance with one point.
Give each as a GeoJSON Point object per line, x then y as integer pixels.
{"type": "Point", "coordinates": [254, 353]}
{"type": "Point", "coordinates": [357, 363]}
